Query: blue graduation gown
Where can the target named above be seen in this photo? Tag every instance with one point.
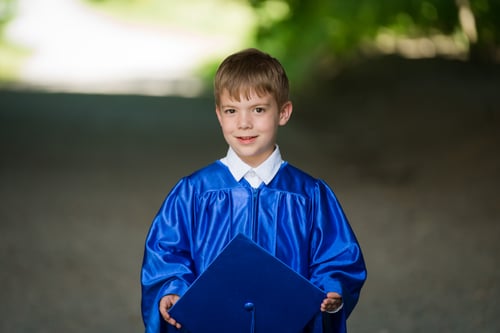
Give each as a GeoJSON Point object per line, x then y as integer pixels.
{"type": "Point", "coordinates": [296, 217]}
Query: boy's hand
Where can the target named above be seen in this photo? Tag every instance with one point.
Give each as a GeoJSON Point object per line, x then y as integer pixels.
{"type": "Point", "coordinates": [165, 304]}
{"type": "Point", "coordinates": [331, 303]}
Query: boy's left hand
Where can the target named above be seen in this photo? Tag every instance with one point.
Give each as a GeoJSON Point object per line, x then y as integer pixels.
{"type": "Point", "coordinates": [332, 302]}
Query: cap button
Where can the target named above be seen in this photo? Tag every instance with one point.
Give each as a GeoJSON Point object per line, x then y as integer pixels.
{"type": "Point", "coordinates": [249, 306]}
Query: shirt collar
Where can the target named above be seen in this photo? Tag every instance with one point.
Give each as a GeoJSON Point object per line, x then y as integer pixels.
{"type": "Point", "coordinates": [265, 171]}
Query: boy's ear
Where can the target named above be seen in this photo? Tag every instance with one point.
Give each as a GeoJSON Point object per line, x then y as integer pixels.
{"type": "Point", "coordinates": [285, 113]}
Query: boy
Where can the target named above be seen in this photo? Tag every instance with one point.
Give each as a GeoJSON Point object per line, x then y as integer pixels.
{"type": "Point", "coordinates": [252, 191]}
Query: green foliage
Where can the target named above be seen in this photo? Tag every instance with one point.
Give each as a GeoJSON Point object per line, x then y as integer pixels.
{"type": "Point", "coordinates": [487, 14]}
{"type": "Point", "coordinates": [7, 11]}
{"type": "Point", "coordinates": [12, 56]}
{"type": "Point", "coordinates": [320, 32]}
{"type": "Point", "coordinates": [11, 59]}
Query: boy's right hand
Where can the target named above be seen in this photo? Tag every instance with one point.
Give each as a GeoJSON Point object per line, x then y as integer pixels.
{"type": "Point", "coordinates": [165, 304]}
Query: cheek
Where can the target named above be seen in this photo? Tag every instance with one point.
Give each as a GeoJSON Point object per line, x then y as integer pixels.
{"type": "Point", "coordinates": [269, 124]}
{"type": "Point", "coordinates": [226, 126]}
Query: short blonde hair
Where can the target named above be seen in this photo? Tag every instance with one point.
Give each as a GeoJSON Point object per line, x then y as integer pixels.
{"type": "Point", "coordinates": [251, 70]}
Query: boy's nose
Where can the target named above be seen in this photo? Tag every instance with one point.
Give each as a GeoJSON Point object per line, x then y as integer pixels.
{"type": "Point", "coordinates": [244, 120]}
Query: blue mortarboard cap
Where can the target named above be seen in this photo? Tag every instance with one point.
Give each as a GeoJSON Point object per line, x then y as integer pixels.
{"type": "Point", "coordinates": [246, 289]}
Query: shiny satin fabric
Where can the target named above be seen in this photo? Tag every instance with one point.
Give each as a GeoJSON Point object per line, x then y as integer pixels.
{"type": "Point", "coordinates": [295, 217]}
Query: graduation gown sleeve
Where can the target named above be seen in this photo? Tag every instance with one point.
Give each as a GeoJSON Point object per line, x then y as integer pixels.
{"type": "Point", "coordinates": [167, 265]}
{"type": "Point", "coordinates": [337, 264]}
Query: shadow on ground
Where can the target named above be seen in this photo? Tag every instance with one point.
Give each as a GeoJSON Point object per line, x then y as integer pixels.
{"type": "Point", "coordinates": [411, 149]}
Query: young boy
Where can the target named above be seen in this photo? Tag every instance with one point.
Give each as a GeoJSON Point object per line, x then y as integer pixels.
{"type": "Point", "coordinates": [252, 191]}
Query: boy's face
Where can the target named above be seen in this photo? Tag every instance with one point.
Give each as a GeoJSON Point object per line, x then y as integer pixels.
{"type": "Point", "coordinates": [250, 126]}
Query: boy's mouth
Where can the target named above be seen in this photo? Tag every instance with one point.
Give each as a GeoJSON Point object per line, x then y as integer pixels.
{"type": "Point", "coordinates": [246, 139]}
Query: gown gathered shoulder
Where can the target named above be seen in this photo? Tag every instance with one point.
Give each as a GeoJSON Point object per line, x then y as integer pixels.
{"type": "Point", "coordinates": [296, 217]}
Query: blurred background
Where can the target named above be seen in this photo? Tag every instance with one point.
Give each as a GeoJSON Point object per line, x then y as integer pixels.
{"type": "Point", "coordinates": [105, 104]}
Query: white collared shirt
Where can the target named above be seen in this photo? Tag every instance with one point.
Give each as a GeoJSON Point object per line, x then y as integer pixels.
{"type": "Point", "coordinates": [264, 173]}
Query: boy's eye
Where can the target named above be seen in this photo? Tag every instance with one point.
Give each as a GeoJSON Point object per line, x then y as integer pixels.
{"type": "Point", "coordinates": [259, 110]}
{"type": "Point", "coordinates": [230, 111]}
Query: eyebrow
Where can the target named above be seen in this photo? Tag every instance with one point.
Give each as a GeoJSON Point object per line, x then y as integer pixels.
{"type": "Point", "coordinates": [251, 106]}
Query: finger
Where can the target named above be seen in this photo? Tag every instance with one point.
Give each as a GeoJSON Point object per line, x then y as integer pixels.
{"type": "Point", "coordinates": [169, 319]}
{"type": "Point", "coordinates": [330, 304]}
{"type": "Point", "coordinates": [173, 322]}
{"type": "Point", "coordinates": [333, 295]}
{"type": "Point", "coordinates": [164, 310]}
{"type": "Point", "coordinates": [164, 314]}
{"type": "Point", "coordinates": [164, 306]}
